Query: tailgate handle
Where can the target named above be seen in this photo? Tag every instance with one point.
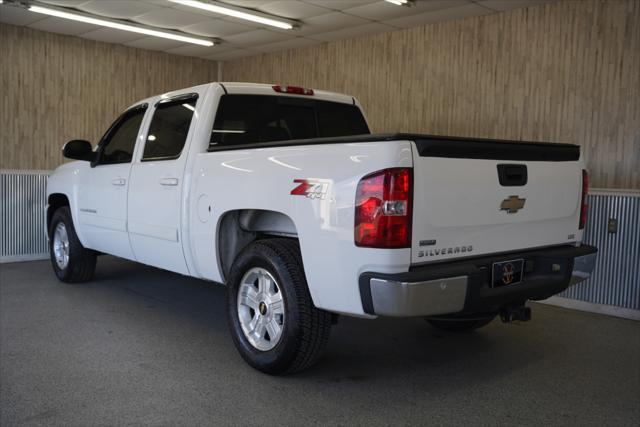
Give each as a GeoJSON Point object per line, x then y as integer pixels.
{"type": "Point", "coordinates": [169, 181]}
{"type": "Point", "coordinates": [511, 175]}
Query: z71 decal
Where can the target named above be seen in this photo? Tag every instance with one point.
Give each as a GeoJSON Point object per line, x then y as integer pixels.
{"type": "Point", "coordinates": [310, 188]}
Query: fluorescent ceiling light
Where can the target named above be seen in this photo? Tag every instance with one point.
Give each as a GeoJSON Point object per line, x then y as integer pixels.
{"type": "Point", "coordinates": [398, 2]}
{"type": "Point", "coordinates": [118, 26]}
{"type": "Point", "coordinates": [225, 10]}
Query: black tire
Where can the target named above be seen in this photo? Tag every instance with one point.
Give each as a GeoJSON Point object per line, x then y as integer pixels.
{"type": "Point", "coordinates": [82, 261]}
{"type": "Point", "coordinates": [459, 325]}
{"type": "Point", "coordinates": [306, 328]}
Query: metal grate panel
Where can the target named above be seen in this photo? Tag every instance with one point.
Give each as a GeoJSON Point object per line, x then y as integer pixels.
{"type": "Point", "coordinates": [22, 215]}
{"type": "Point", "coordinates": [616, 278]}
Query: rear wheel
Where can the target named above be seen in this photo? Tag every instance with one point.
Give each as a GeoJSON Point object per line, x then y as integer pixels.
{"type": "Point", "coordinates": [71, 261]}
{"type": "Point", "coordinates": [453, 324]}
{"type": "Point", "coordinates": [274, 324]}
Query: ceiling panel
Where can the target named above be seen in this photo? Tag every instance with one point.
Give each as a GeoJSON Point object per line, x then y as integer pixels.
{"type": "Point", "coordinates": [338, 4]}
{"type": "Point", "coordinates": [109, 35]}
{"type": "Point", "coordinates": [169, 17]}
{"type": "Point", "coordinates": [62, 26]}
{"type": "Point", "coordinates": [330, 22]}
{"type": "Point", "coordinates": [251, 4]}
{"type": "Point", "coordinates": [382, 10]}
{"type": "Point", "coordinates": [216, 28]}
{"type": "Point", "coordinates": [18, 16]}
{"type": "Point", "coordinates": [320, 21]}
{"type": "Point", "coordinates": [66, 3]}
{"type": "Point", "coordinates": [120, 9]}
{"type": "Point", "coordinates": [293, 9]}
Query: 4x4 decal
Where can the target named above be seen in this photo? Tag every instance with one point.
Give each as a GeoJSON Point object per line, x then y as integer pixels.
{"type": "Point", "coordinates": [310, 188]}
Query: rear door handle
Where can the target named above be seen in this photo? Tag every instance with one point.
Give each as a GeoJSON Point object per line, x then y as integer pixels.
{"type": "Point", "coordinates": [169, 181]}
{"type": "Point", "coordinates": [119, 182]}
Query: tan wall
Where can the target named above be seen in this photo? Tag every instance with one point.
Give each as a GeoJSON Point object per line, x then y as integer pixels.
{"type": "Point", "coordinates": [55, 88]}
{"type": "Point", "coordinates": [562, 72]}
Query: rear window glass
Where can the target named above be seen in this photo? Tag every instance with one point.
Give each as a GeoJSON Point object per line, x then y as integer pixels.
{"type": "Point", "coordinates": [245, 119]}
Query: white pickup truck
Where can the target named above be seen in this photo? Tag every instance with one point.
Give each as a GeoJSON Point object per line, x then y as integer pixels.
{"type": "Point", "coordinates": [282, 194]}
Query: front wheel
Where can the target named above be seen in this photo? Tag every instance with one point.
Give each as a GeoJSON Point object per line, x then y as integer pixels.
{"type": "Point", "coordinates": [71, 261]}
{"type": "Point", "coordinates": [274, 324]}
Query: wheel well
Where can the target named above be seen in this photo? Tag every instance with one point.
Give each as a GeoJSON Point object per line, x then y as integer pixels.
{"type": "Point", "coordinates": [55, 201]}
{"type": "Point", "coordinates": [240, 227]}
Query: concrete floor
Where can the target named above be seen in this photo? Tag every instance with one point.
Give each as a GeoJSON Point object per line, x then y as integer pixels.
{"type": "Point", "coordinates": [142, 346]}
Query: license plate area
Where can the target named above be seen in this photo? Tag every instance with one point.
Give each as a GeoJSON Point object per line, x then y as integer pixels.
{"type": "Point", "coordinates": [507, 273]}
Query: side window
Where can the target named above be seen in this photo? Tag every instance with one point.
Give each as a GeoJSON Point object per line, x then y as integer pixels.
{"type": "Point", "coordinates": [118, 143]}
{"type": "Point", "coordinates": [169, 129]}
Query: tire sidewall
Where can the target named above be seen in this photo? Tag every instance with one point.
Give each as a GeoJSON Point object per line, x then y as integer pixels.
{"type": "Point", "coordinates": [280, 357]}
{"type": "Point", "coordinates": [63, 215]}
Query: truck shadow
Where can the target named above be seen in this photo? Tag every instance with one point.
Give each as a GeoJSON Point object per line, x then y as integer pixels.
{"type": "Point", "coordinates": [360, 351]}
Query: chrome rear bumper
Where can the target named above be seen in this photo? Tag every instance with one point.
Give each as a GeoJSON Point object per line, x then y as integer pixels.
{"type": "Point", "coordinates": [582, 268]}
{"type": "Point", "coordinates": [391, 298]}
{"type": "Point", "coordinates": [463, 286]}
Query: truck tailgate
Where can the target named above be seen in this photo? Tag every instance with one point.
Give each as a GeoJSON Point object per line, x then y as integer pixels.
{"type": "Point", "coordinates": [475, 197]}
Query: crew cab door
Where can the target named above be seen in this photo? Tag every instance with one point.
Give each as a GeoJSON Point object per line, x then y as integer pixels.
{"type": "Point", "coordinates": [102, 206]}
{"type": "Point", "coordinates": [156, 190]}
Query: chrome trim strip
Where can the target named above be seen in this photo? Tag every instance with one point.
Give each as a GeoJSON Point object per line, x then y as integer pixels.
{"type": "Point", "coordinates": [431, 297]}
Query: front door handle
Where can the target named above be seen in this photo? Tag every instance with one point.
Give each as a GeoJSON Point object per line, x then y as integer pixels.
{"type": "Point", "coordinates": [169, 181]}
{"type": "Point", "coordinates": [119, 182]}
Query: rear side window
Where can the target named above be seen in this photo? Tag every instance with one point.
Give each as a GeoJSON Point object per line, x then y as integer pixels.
{"type": "Point", "coordinates": [246, 119]}
{"type": "Point", "coordinates": [169, 129]}
{"type": "Point", "coordinates": [118, 143]}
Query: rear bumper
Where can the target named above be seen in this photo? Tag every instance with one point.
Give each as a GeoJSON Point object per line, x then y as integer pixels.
{"type": "Point", "coordinates": [464, 286]}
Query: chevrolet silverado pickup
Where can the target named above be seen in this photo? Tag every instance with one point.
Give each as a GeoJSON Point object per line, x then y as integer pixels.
{"type": "Point", "coordinates": [282, 194]}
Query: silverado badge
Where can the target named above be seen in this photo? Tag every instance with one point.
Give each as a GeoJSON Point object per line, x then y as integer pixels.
{"type": "Point", "coordinates": [512, 204]}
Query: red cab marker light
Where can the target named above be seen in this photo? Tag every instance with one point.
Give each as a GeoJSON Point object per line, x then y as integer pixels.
{"type": "Point", "coordinates": [296, 90]}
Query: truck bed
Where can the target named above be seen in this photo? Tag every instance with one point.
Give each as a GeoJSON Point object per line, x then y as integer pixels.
{"type": "Point", "coordinates": [442, 146]}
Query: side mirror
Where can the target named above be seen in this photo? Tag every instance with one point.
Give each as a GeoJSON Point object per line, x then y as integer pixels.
{"type": "Point", "coordinates": [78, 149]}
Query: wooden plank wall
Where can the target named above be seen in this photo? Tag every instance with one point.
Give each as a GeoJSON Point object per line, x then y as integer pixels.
{"type": "Point", "coordinates": [55, 88]}
{"type": "Point", "coordinates": [565, 72]}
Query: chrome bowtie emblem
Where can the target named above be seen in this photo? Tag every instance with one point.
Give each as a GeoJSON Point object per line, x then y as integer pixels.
{"type": "Point", "coordinates": [512, 204]}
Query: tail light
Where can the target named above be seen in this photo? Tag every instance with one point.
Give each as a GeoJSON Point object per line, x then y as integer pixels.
{"type": "Point", "coordinates": [583, 205]}
{"type": "Point", "coordinates": [383, 209]}
{"type": "Point", "coordinates": [296, 90]}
